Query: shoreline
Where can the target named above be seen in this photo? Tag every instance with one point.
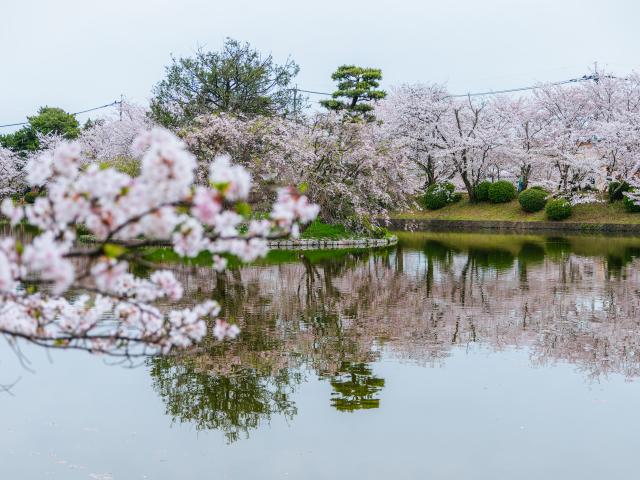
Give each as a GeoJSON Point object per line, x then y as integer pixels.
{"type": "Point", "coordinates": [284, 244]}
{"type": "Point", "coordinates": [439, 225]}
{"type": "Point", "coordinates": [329, 244]}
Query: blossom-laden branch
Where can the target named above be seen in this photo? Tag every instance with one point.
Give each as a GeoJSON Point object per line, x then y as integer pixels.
{"type": "Point", "coordinates": [95, 303]}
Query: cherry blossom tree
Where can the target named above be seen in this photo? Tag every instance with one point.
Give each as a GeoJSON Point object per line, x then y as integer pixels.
{"type": "Point", "coordinates": [414, 113]}
{"type": "Point", "coordinates": [570, 138]}
{"type": "Point", "coordinates": [11, 177]}
{"type": "Point", "coordinates": [616, 122]}
{"type": "Point", "coordinates": [112, 137]}
{"type": "Point", "coordinates": [58, 293]}
{"type": "Point", "coordinates": [471, 134]}
{"type": "Point", "coordinates": [355, 171]}
{"type": "Point", "coordinates": [521, 151]}
{"type": "Point", "coordinates": [263, 145]}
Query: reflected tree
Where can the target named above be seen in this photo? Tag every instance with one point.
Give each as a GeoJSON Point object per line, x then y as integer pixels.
{"type": "Point", "coordinates": [332, 316]}
{"type": "Point", "coordinates": [355, 388]}
{"type": "Point", "coordinates": [235, 403]}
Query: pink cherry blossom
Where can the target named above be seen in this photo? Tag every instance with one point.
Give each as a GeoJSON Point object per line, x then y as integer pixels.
{"type": "Point", "coordinates": [234, 181]}
{"type": "Point", "coordinates": [117, 312]}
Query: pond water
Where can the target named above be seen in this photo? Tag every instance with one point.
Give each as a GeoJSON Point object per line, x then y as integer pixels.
{"type": "Point", "coordinates": [449, 356]}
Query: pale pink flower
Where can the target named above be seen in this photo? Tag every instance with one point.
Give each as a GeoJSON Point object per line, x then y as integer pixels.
{"type": "Point", "coordinates": [234, 180]}
{"type": "Point", "coordinates": [206, 205]}
{"type": "Point", "coordinates": [11, 211]}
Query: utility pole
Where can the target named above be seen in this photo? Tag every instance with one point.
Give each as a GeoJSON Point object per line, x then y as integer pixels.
{"type": "Point", "coordinates": [295, 100]}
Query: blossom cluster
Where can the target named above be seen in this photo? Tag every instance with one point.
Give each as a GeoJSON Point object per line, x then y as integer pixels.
{"type": "Point", "coordinates": [353, 170]}
{"type": "Point", "coordinates": [117, 311]}
{"type": "Point", "coordinates": [11, 178]}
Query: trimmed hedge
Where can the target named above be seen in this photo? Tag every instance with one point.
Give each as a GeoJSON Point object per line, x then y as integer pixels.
{"type": "Point", "coordinates": [501, 191]}
{"type": "Point", "coordinates": [617, 189]}
{"type": "Point", "coordinates": [482, 191]}
{"type": "Point", "coordinates": [558, 209]}
{"type": "Point", "coordinates": [439, 195]}
{"type": "Point", "coordinates": [630, 205]}
{"type": "Point", "coordinates": [532, 199]}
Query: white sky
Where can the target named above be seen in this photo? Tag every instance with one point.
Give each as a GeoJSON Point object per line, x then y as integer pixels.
{"type": "Point", "coordinates": [77, 54]}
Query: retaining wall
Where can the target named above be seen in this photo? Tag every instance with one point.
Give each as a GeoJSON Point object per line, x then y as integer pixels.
{"type": "Point", "coordinates": [325, 243]}
{"type": "Point", "coordinates": [506, 226]}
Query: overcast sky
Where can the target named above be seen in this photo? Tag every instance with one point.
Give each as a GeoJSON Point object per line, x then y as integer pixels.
{"type": "Point", "coordinates": [78, 54]}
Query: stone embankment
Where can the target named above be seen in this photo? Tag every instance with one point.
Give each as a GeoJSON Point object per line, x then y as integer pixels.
{"type": "Point", "coordinates": [327, 243]}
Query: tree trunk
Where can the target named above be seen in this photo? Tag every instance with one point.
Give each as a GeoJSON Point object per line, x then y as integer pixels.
{"type": "Point", "coordinates": [525, 173]}
{"type": "Point", "coordinates": [469, 186]}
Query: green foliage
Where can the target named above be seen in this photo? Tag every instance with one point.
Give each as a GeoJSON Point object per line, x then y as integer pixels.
{"type": "Point", "coordinates": [495, 258]}
{"type": "Point", "coordinates": [379, 232]}
{"type": "Point", "coordinates": [237, 79]}
{"type": "Point", "coordinates": [23, 140]}
{"type": "Point", "coordinates": [482, 191]}
{"type": "Point", "coordinates": [355, 387]}
{"type": "Point", "coordinates": [28, 196]}
{"type": "Point", "coordinates": [531, 253]}
{"type": "Point", "coordinates": [539, 187]}
{"type": "Point", "coordinates": [236, 402]}
{"type": "Point", "coordinates": [358, 87]}
{"type": "Point", "coordinates": [49, 120]}
{"type": "Point", "coordinates": [112, 250]}
{"type": "Point", "coordinates": [318, 229]}
{"type": "Point", "coordinates": [617, 189]}
{"type": "Point", "coordinates": [558, 248]}
{"type": "Point", "coordinates": [501, 191]}
{"type": "Point", "coordinates": [558, 209]}
{"type": "Point", "coordinates": [128, 165]}
{"type": "Point", "coordinates": [57, 121]}
{"type": "Point", "coordinates": [438, 195]}
{"type": "Point", "coordinates": [630, 205]}
{"type": "Point", "coordinates": [532, 199]}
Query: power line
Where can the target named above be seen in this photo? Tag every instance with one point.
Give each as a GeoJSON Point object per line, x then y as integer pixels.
{"type": "Point", "coordinates": [112, 104]}
{"type": "Point", "coordinates": [584, 78]}
{"type": "Point", "coordinates": [312, 91]}
{"type": "Point", "coordinates": [595, 77]}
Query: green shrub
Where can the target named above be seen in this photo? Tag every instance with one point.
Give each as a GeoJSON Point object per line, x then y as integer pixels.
{"type": "Point", "coordinates": [439, 195]}
{"type": "Point", "coordinates": [630, 205]}
{"type": "Point", "coordinates": [379, 232]}
{"type": "Point", "coordinates": [532, 199]}
{"type": "Point", "coordinates": [558, 209]}
{"type": "Point", "coordinates": [30, 196]}
{"type": "Point", "coordinates": [501, 191]}
{"type": "Point", "coordinates": [539, 187]}
{"type": "Point", "coordinates": [482, 191]}
{"type": "Point", "coordinates": [617, 189]}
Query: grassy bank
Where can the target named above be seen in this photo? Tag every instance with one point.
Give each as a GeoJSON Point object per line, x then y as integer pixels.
{"type": "Point", "coordinates": [317, 230]}
{"type": "Point", "coordinates": [596, 213]}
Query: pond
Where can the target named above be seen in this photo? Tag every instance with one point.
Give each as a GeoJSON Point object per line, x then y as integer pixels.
{"type": "Point", "coordinates": [449, 356]}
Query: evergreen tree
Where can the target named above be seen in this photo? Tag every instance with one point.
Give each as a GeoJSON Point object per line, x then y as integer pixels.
{"type": "Point", "coordinates": [49, 120]}
{"type": "Point", "coordinates": [237, 79]}
{"type": "Point", "coordinates": [358, 87]}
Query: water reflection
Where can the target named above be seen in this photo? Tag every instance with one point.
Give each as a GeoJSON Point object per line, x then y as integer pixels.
{"type": "Point", "coordinates": [572, 300]}
{"type": "Point", "coordinates": [355, 387]}
{"type": "Point", "coordinates": [234, 403]}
